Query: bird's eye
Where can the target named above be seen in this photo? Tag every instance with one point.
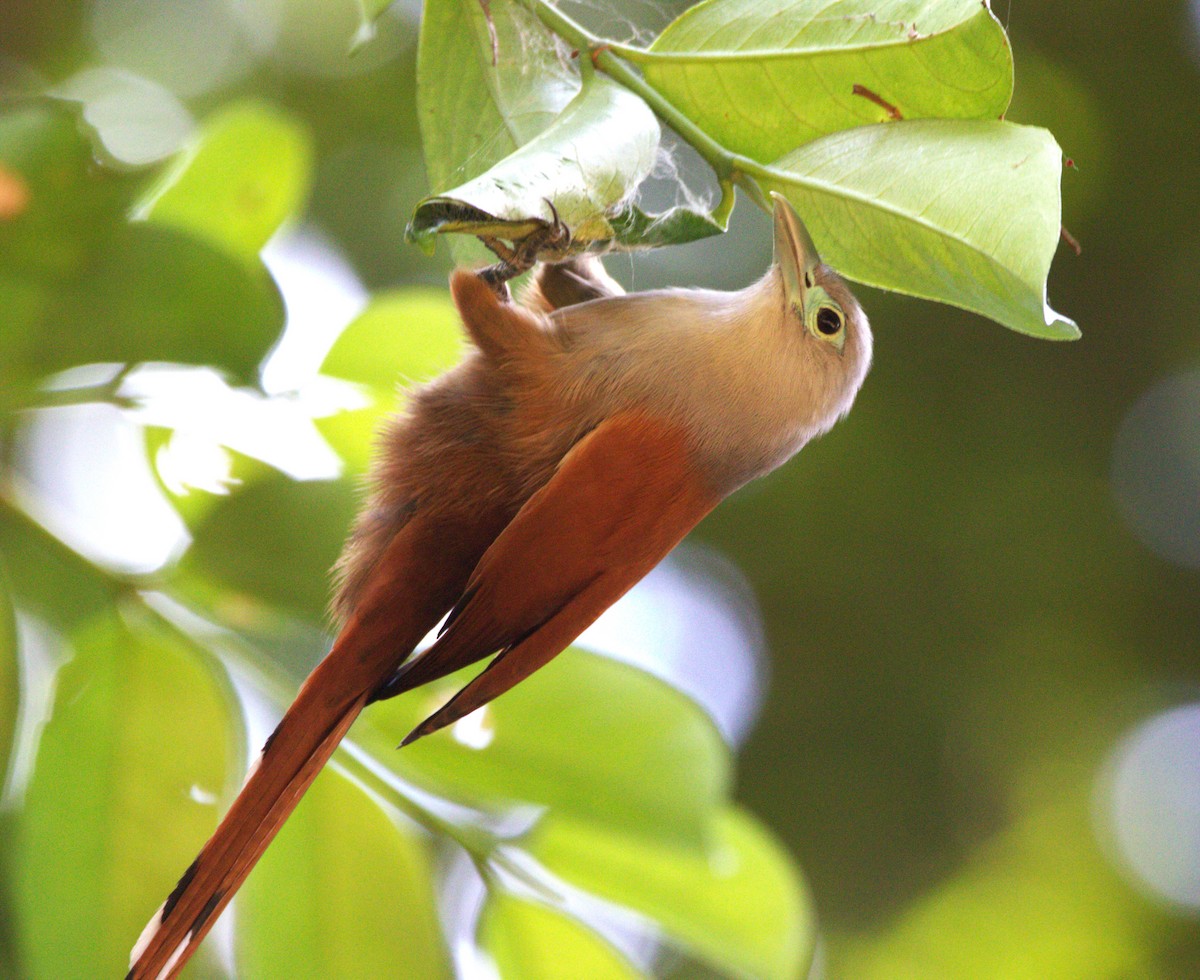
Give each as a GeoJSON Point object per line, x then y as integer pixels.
{"type": "Point", "coordinates": [829, 321]}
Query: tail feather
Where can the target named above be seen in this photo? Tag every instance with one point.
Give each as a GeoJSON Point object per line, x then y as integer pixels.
{"type": "Point", "coordinates": [295, 753]}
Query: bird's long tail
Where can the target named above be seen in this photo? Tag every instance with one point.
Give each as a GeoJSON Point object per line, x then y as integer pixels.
{"type": "Point", "coordinates": [291, 759]}
{"type": "Point", "coordinates": [414, 581]}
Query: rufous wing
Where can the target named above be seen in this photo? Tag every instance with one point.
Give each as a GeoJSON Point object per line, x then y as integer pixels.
{"type": "Point", "coordinates": [621, 499]}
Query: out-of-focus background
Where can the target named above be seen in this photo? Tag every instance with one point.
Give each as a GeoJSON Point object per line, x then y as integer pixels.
{"type": "Point", "coordinates": [979, 595]}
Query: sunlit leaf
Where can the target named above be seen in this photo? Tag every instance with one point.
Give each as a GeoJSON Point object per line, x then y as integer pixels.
{"type": "Point", "coordinates": [342, 892]}
{"type": "Point", "coordinates": [763, 78]}
{"type": "Point", "coordinates": [245, 172]}
{"type": "Point", "coordinates": [276, 541]}
{"type": "Point", "coordinates": [488, 81]}
{"type": "Point", "coordinates": [961, 212]}
{"type": "Point", "coordinates": [531, 942]}
{"type": "Point", "coordinates": [586, 736]}
{"type": "Point", "coordinates": [738, 905]}
{"type": "Point", "coordinates": [78, 284]}
{"type": "Point", "coordinates": [129, 772]}
{"type": "Point", "coordinates": [404, 337]}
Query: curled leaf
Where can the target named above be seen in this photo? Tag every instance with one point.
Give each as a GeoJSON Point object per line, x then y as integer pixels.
{"type": "Point", "coordinates": [580, 171]}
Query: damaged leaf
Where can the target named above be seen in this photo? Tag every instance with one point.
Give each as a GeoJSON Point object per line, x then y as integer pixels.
{"type": "Point", "coordinates": [582, 171]}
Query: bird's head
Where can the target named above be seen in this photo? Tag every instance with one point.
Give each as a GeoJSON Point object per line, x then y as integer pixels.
{"type": "Point", "coordinates": [827, 324]}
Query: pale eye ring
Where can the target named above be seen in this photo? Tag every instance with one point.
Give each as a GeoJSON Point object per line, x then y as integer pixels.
{"type": "Point", "coordinates": [829, 321]}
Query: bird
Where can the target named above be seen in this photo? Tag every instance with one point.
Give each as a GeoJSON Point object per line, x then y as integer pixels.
{"type": "Point", "coordinates": [518, 495]}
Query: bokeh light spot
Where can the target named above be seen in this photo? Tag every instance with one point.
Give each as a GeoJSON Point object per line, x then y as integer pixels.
{"type": "Point", "coordinates": [1152, 798]}
{"type": "Point", "coordinates": [1156, 469]}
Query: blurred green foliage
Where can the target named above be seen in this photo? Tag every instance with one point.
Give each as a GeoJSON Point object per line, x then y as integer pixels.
{"type": "Point", "coordinates": [959, 622]}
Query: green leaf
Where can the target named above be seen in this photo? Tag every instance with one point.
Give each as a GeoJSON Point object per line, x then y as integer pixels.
{"type": "Point", "coordinates": [739, 905]}
{"type": "Point", "coordinates": [276, 541]}
{"type": "Point", "coordinates": [586, 736]}
{"type": "Point", "coordinates": [634, 228]}
{"type": "Point", "coordinates": [583, 167]}
{"type": "Point", "coordinates": [763, 78]}
{"type": "Point", "coordinates": [403, 337]}
{"type": "Point", "coordinates": [78, 284]}
{"type": "Point", "coordinates": [531, 942]}
{"type": "Point", "coordinates": [58, 202]}
{"type": "Point", "coordinates": [128, 776]}
{"type": "Point", "coordinates": [46, 577]}
{"type": "Point", "coordinates": [371, 11]}
{"type": "Point", "coordinates": [478, 101]}
{"type": "Point", "coordinates": [156, 294]}
{"type": "Point", "coordinates": [246, 171]}
{"type": "Point", "coordinates": [960, 212]}
{"type": "Point", "coordinates": [342, 892]}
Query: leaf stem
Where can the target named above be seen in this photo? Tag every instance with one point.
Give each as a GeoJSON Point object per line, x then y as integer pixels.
{"type": "Point", "coordinates": [607, 55]}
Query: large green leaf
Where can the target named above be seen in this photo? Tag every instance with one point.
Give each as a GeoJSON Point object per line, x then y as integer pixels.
{"type": "Point", "coordinates": [488, 81]}
{"type": "Point", "coordinates": [961, 212]}
{"type": "Point", "coordinates": [531, 942]}
{"type": "Point", "coordinates": [584, 166]}
{"type": "Point", "coordinates": [245, 172]}
{"type": "Point", "coordinates": [79, 284]}
{"type": "Point", "coordinates": [46, 577]}
{"type": "Point", "coordinates": [127, 783]}
{"type": "Point", "coordinates": [586, 736]}
{"type": "Point", "coordinates": [764, 77]}
{"type": "Point", "coordinates": [156, 294]}
{"type": "Point", "coordinates": [739, 904]}
{"type": "Point", "coordinates": [276, 541]}
{"type": "Point", "coordinates": [403, 337]}
{"type": "Point", "coordinates": [342, 892]}
{"type": "Point", "coordinates": [478, 101]}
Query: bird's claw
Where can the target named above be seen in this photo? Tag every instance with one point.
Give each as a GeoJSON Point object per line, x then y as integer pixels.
{"type": "Point", "coordinates": [523, 255]}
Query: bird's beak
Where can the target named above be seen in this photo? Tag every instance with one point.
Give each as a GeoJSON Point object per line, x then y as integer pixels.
{"type": "Point", "coordinates": [795, 253]}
